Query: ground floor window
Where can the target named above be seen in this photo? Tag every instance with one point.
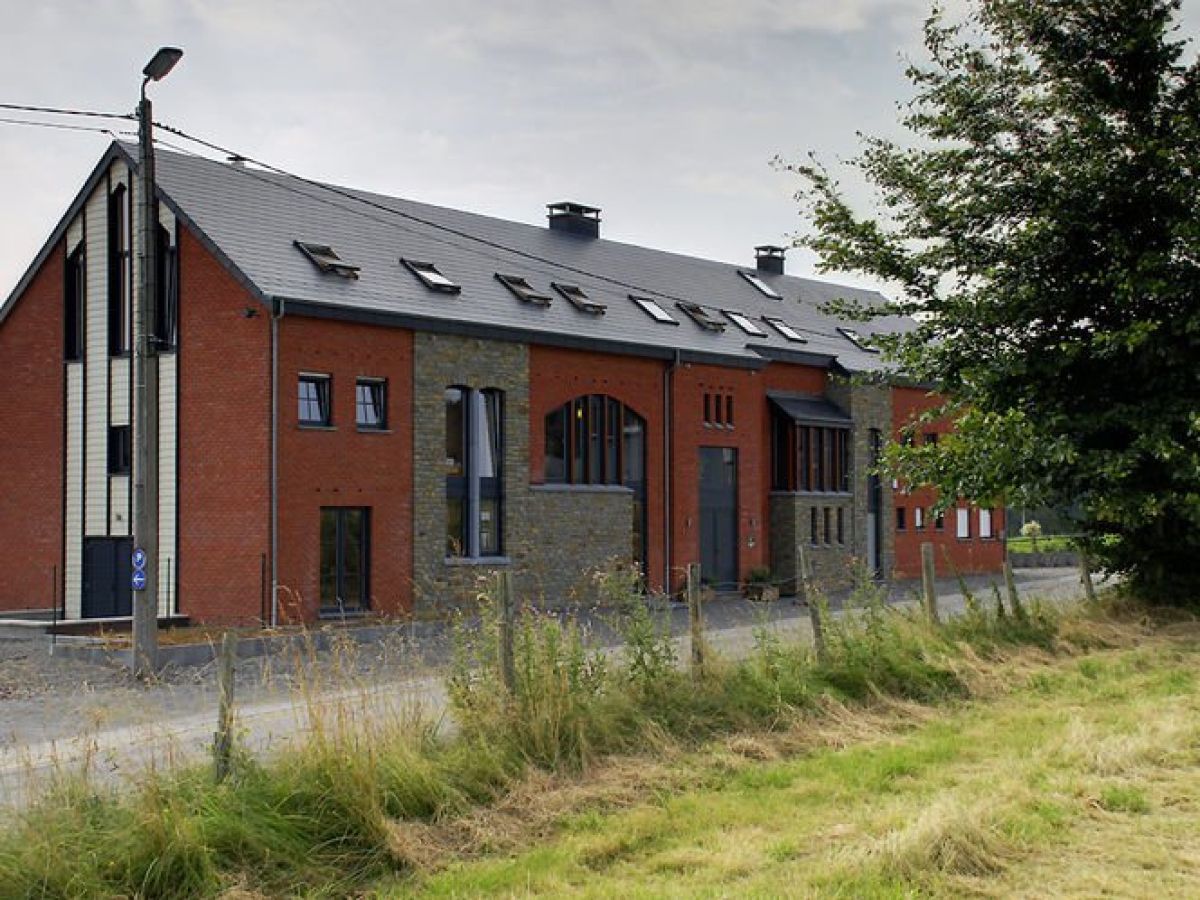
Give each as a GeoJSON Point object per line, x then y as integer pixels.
{"type": "Point", "coordinates": [474, 472]}
{"type": "Point", "coordinates": [985, 523]}
{"type": "Point", "coordinates": [345, 557]}
{"type": "Point", "coordinates": [962, 523]}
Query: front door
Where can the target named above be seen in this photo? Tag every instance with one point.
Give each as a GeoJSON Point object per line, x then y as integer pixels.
{"type": "Point", "coordinates": [107, 570]}
{"type": "Point", "coordinates": [718, 516]}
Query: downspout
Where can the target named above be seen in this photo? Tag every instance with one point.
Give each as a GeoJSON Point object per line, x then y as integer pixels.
{"type": "Point", "coordinates": [277, 312]}
{"type": "Point", "coordinates": [668, 424]}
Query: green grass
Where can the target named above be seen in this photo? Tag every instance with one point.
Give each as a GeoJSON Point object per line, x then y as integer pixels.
{"type": "Point", "coordinates": [1053, 788]}
{"type": "Point", "coordinates": [366, 800]}
{"type": "Point", "coordinates": [1051, 543]}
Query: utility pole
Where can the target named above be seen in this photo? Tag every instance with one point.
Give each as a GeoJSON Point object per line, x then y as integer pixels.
{"type": "Point", "coordinates": [145, 387]}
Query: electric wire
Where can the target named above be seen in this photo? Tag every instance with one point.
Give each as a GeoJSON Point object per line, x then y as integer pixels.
{"type": "Point", "coordinates": [61, 126]}
{"type": "Point", "coordinates": [60, 111]}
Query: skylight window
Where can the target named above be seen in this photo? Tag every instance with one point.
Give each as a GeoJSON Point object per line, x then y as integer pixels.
{"type": "Point", "coordinates": [745, 323]}
{"type": "Point", "coordinates": [701, 316]}
{"type": "Point", "coordinates": [577, 298]}
{"type": "Point", "coordinates": [523, 289]}
{"type": "Point", "coordinates": [858, 340]}
{"type": "Point", "coordinates": [324, 258]}
{"type": "Point", "coordinates": [785, 329]}
{"type": "Point", "coordinates": [763, 288]}
{"type": "Point", "coordinates": [653, 310]}
{"type": "Point", "coordinates": [431, 277]}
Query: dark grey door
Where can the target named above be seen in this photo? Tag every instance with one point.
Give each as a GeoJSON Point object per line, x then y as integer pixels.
{"type": "Point", "coordinates": [718, 516]}
{"type": "Point", "coordinates": [107, 570]}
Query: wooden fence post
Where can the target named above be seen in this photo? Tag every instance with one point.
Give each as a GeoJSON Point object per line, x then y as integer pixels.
{"type": "Point", "coordinates": [223, 739]}
{"type": "Point", "coordinates": [1014, 599]}
{"type": "Point", "coordinates": [804, 586]}
{"type": "Point", "coordinates": [927, 582]}
{"type": "Point", "coordinates": [695, 619]}
{"type": "Point", "coordinates": [1085, 575]}
{"type": "Point", "coordinates": [508, 628]}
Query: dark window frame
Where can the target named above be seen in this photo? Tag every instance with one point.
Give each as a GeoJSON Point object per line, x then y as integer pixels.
{"type": "Point", "coordinates": [166, 318]}
{"type": "Point", "coordinates": [433, 278]}
{"type": "Point", "coordinates": [120, 449]}
{"type": "Point", "coordinates": [471, 488]}
{"type": "Point", "coordinates": [342, 516]}
{"type": "Point", "coordinates": [818, 457]}
{"type": "Point", "coordinates": [120, 272]}
{"type": "Point", "coordinates": [74, 304]}
{"type": "Point", "coordinates": [323, 399]}
{"type": "Point", "coordinates": [653, 309]}
{"type": "Point", "coordinates": [520, 288]}
{"type": "Point", "coordinates": [701, 316]}
{"type": "Point", "coordinates": [575, 295]}
{"type": "Point", "coordinates": [785, 329]}
{"type": "Point", "coordinates": [378, 390]}
{"type": "Point", "coordinates": [901, 518]}
{"type": "Point", "coordinates": [325, 258]}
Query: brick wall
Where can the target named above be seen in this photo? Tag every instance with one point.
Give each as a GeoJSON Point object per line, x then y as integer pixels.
{"type": "Point", "coordinates": [951, 554]}
{"type": "Point", "coordinates": [224, 446]}
{"type": "Point", "coordinates": [343, 466]}
{"type": "Point", "coordinates": [31, 444]}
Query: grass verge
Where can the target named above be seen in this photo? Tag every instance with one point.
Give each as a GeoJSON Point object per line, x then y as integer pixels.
{"type": "Point", "coordinates": [368, 798]}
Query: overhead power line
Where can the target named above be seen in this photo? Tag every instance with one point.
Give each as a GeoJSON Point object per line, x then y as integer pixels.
{"type": "Point", "coordinates": [60, 111]}
{"type": "Point", "coordinates": [4, 120]}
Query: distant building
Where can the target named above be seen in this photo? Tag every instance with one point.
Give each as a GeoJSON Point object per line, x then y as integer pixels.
{"type": "Point", "coordinates": [399, 397]}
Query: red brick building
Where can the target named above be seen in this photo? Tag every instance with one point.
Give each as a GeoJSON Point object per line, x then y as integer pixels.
{"type": "Point", "coordinates": [367, 402]}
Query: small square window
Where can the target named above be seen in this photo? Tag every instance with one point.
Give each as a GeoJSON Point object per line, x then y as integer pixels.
{"type": "Point", "coordinates": [522, 289]}
{"type": "Point", "coordinates": [429, 275]}
{"type": "Point", "coordinates": [701, 316]}
{"type": "Point", "coordinates": [763, 288]}
{"type": "Point", "coordinates": [745, 323]}
{"type": "Point", "coordinates": [577, 298]}
{"type": "Point", "coordinates": [785, 329]}
{"type": "Point", "coordinates": [324, 258]}
{"type": "Point", "coordinates": [653, 310]}
{"type": "Point", "coordinates": [120, 450]}
{"type": "Point", "coordinates": [314, 400]}
{"type": "Point", "coordinates": [370, 404]}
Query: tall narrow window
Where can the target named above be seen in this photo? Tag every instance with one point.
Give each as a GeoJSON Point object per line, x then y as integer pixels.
{"type": "Point", "coordinates": [345, 558]}
{"type": "Point", "coordinates": [73, 291]}
{"type": "Point", "coordinates": [119, 272]}
{"type": "Point", "coordinates": [962, 523]}
{"type": "Point", "coordinates": [841, 525]}
{"type": "Point", "coordinates": [901, 520]}
{"type": "Point", "coordinates": [474, 472]}
{"type": "Point", "coordinates": [370, 404]}
{"type": "Point", "coordinates": [314, 396]}
{"type": "Point", "coordinates": [120, 450]}
{"type": "Point", "coordinates": [985, 523]}
{"type": "Point", "coordinates": [167, 307]}
{"type": "Point", "coordinates": [814, 535]}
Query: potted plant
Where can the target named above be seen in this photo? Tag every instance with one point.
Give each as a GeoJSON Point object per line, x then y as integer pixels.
{"type": "Point", "coordinates": [759, 586]}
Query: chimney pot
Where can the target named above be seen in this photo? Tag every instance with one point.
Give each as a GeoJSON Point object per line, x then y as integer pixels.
{"type": "Point", "coordinates": [769, 258]}
{"type": "Point", "coordinates": [574, 218]}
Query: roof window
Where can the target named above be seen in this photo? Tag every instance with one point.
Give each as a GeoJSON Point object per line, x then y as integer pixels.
{"type": "Point", "coordinates": [523, 289]}
{"type": "Point", "coordinates": [653, 310]}
{"type": "Point", "coordinates": [324, 258]}
{"type": "Point", "coordinates": [701, 316]}
{"type": "Point", "coordinates": [785, 329]}
{"type": "Point", "coordinates": [431, 277]}
{"type": "Point", "coordinates": [763, 288]}
{"type": "Point", "coordinates": [577, 298]}
{"type": "Point", "coordinates": [858, 340]}
{"type": "Point", "coordinates": [745, 323]}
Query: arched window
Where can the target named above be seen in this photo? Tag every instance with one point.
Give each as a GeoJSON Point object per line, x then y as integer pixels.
{"type": "Point", "coordinates": [596, 439]}
{"type": "Point", "coordinates": [474, 471]}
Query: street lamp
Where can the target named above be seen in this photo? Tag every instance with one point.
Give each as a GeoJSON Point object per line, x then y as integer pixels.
{"type": "Point", "coordinates": [145, 388]}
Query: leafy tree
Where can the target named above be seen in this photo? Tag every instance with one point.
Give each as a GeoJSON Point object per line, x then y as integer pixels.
{"type": "Point", "coordinates": [1043, 226]}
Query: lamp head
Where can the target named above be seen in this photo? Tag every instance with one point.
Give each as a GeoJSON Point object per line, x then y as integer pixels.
{"type": "Point", "coordinates": [162, 63]}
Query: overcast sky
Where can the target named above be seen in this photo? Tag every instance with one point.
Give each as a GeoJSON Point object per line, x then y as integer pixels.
{"type": "Point", "coordinates": [665, 113]}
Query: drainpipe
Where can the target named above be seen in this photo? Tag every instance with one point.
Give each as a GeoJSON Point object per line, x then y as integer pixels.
{"type": "Point", "coordinates": [668, 424]}
{"type": "Point", "coordinates": [277, 312]}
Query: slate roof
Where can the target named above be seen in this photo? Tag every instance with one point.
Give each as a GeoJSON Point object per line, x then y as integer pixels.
{"type": "Point", "coordinates": [251, 219]}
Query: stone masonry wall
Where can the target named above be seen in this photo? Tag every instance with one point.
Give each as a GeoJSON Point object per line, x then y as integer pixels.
{"type": "Point", "coordinates": [553, 537]}
{"type": "Point", "coordinates": [791, 526]}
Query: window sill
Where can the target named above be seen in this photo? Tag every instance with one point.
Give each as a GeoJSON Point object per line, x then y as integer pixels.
{"type": "Point", "coordinates": [303, 426]}
{"type": "Point", "coordinates": [333, 612]}
{"type": "Point", "coordinates": [361, 430]}
{"type": "Point", "coordinates": [555, 487]}
{"type": "Point", "coordinates": [124, 354]}
{"type": "Point", "coordinates": [846, 496]}
{"type": "Point", "coordinates": [478, 561]}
